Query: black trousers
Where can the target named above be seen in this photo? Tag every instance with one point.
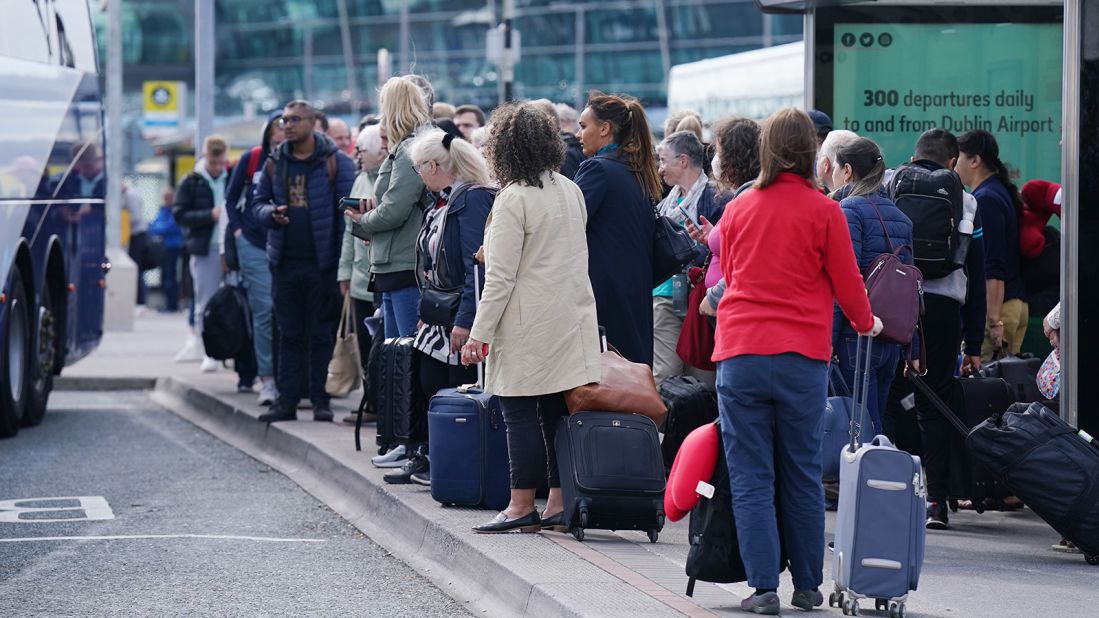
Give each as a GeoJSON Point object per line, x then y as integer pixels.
{"type": "Point", "coordinates": [434, 376]}
{"type": "Point", "coordinates": [942, 323]}
{"type": "Point", "coordinates": [306, 302]}
{"type": "Point", "coordinates": [532, 426]}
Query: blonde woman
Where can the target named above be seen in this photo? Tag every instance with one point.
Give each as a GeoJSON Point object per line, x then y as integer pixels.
{"type": "Point", "coordinates": [393, 218]}
{"type": "Point", "coordinates": [453, 231]}
{"type": "Point", "coordinates": [537, 314]}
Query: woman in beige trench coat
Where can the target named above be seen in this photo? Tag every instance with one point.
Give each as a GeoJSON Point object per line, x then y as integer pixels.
{"type": "Point", "coordinates": [537, 313]}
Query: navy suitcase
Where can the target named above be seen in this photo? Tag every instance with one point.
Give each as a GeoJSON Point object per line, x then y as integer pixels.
{"type": "Point", "coordinates": [612, 473]}
{"type": "Point", "coordinates": [1048, 464]}
{"type": "Point", "coordinates": [468, 443]}
{"type": "Point", "coordinates": [880, 534]}
{"type": "Point", "coordinates": [690, 404]}
{"type": "Point", "coordinates": [835, 425]}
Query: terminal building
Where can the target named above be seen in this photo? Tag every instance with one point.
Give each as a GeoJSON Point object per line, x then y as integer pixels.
{"type": "Point", "coordinates": [270, 51]}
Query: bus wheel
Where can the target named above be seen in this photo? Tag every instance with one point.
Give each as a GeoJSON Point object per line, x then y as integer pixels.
{"type": "Point", "coordinates": [15, 358]}
{"type": "Point", "coordinates": [42, 364]}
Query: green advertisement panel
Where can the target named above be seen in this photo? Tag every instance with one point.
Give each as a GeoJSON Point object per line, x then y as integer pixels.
{"type": "Point", "coordinates": [894, 81]}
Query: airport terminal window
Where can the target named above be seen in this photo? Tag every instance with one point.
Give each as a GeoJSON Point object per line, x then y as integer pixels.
{"type": "Point", "coordinates": [714, 21]}
{"type": "Point", "coordinates": [621, 26]}
{"type": "Point", "coordinates": [548, 29]}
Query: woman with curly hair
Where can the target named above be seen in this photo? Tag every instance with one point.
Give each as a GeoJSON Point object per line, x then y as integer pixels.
{"type": "Point", "coordinates": [736, 166]}
{"type": "Point", "coordinates": [620, 185]}
{"type": "Point", "coordinates": [537, 313]}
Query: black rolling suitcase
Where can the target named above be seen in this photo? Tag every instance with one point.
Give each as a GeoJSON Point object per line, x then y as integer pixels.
{"type": "Point", "coordinates": [1021, 375]}
{"type": "Point", "coordinates": [974, 400]}
{"type": "Point", "coordinates": [691, 404]}
{"type": "Point", "coordinates": [612, 474]}
{"type": "Point", "coordinates": [399, 399]}
{"type": "Point", "coordinates": [1048, 464]}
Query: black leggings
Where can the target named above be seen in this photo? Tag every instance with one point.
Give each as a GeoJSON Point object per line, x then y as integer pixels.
{"type": "Point", "coordinates": [532, 426]}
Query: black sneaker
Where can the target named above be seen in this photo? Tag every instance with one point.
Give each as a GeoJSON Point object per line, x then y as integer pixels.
{"type": "Point", "coordinates": [279, 412]}
{"type": "Point", "coordinates": [321, 412]}
{"type": "Point", "coordinates": [937, 518]}
{"type": "Point", "coordinates": [415, 464]}
{"type": "Point", "coordinates": [422, 478]}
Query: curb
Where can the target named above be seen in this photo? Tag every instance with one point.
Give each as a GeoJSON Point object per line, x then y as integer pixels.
{"type": "Point", "coordinates": [81, 383]}
{"type": "Point", "coordinates": [454, 563]}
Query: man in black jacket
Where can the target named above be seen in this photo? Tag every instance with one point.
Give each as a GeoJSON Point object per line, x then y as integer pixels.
{"type": "Point", "coordinates": [197, 209]}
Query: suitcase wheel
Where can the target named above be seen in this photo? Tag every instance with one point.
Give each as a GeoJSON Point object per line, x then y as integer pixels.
{"type": "Point", "coordinates": [578, 534]}
{"type": "Point", "coordinates": [850, 607]}
{"type": "Point", "coordinates": [1092, 560]}
{"type": "Point", "coordinates": [881, 604]}
{"type": "Point", "coordinates": [654, 535]}
{"type": "Point", "coordinates": [896, 610]}
{"type": "Point", "coordinates": [583, 515]}
{"type": "Point", "coordinates": [833, 599]}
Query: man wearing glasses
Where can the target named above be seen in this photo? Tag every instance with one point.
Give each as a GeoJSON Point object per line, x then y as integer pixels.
{"type": "Point", "coordinates": [298, 197]}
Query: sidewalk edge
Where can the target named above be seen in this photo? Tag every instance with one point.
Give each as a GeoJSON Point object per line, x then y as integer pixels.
{"type": "Point", "coordinates": [434, 552]}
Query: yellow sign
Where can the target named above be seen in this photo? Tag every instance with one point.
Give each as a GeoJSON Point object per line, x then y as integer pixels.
{"type": "Point", "coordinates": [162, 96]}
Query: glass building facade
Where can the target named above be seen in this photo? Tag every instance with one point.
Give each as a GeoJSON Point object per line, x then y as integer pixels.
{"type": "Point", "coordinates": [269, 51]}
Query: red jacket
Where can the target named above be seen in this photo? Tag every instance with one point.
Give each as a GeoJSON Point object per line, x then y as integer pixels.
{"type": "Point", "coordinates": [786, 252]}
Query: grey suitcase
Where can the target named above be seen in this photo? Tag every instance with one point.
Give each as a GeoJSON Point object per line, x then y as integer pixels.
{"type": "Point", "coordinates": [879, 544]}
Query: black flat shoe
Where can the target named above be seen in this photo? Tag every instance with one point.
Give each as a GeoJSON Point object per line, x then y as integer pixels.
{"type": "Point", "coordinates": [501, 523]}
{"type": "Point", "coordinates": [554, 522]}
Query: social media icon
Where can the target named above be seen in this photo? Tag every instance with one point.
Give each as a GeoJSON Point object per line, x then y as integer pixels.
{"type": "Point", "coordinates": [848, 39]}
{"type": "Point", "coordinates": [885, 39]}
{"type": "Point", "coordinates": [867, 39]}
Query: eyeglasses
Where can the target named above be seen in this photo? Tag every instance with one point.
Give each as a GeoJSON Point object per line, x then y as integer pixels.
{"type": "Point", "coordinates": [419, 167]}
{"type": "Point", "coordinates": [286, 121]}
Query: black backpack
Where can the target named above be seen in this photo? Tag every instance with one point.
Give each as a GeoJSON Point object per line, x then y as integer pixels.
{"type": "Point", "coordinates": [226, 323]}
{"type": "Point", "coordinates": [932, 200]}
{"type": "Point", "coordinates": [714, 554]}
{"type": "Point", "coordinates": [690, 405]}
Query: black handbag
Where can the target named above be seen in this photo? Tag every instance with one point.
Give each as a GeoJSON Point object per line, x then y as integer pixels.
{"type": "Point", "coordinates": [439, 306]}
{"type": "Point", "coordinates": [673, 249]}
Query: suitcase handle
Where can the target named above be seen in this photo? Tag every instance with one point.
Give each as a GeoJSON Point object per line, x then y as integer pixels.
{"type": "Point", "coordinates": [863, 356]}
{"type": "Point", "coordinates": [477, 305]}
{"type": "Point", "coordinates": [939, 404]}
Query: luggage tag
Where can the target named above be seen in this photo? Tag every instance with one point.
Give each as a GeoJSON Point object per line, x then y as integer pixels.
{"type": "Point", "coordinates": [705, 490]}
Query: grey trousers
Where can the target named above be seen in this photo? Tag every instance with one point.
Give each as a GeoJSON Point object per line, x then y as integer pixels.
{"type": "Point", "coordinates": [206, 274]}
{"type": "Point", "coordinates": [666, 362]}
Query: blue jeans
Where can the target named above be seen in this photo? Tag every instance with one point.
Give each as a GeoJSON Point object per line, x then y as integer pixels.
{"type": "Point", "coordinates": [884, 358]}
{"type": "Point", "coordinates": [255, 273]}
{"type": "Point", "coordinates": [770, 424]}
{"type": "Point", "coordinates": [169, 279]}
{"type": "Point", "coordinates": [402, 311]}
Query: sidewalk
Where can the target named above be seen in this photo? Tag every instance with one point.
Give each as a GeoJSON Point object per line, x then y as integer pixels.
{"type": "Point", "coordinates": [988, 565]}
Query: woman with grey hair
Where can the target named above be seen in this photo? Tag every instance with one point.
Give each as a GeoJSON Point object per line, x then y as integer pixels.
{"type": "Point", "coordinates": [693, 195]}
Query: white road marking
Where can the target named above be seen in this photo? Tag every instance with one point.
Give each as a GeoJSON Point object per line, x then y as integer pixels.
{"type": "Point", "coordinates": [119, 537]}
{"type": "Point", "coordinates": [94, 508]}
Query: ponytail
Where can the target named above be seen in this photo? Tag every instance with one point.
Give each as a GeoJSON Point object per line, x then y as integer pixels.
{"type": "Point", "coordinates": [983, 144]}
{"type": "Point", "coordinates": [867, 166]}
{"type": "Point", "coordinates": [632, 136]}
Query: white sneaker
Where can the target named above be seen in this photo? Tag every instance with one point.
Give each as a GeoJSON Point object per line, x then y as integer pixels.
{"type": "Point", "coordinates": [192, 351]}
{"type": "Point", "coordinates": [209, 365]}
{"type": "Point", "coordinates": [268, 393]}
{"type": "Point", "coordinates": [395, 458]}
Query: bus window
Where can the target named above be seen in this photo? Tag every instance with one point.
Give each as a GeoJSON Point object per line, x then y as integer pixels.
{"type": "Point", "coordinates": [24, 31]}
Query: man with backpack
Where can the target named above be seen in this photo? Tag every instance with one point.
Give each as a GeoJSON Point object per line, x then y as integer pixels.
{"type": "Point", "coordinates": [949, 251]}
{"type": "Point", "coordinates": [250, 236]}
{"type": "Point", "coordinates": [297, 198]}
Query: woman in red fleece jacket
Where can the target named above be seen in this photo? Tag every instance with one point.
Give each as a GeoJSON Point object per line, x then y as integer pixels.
{"type": "Point", "coordinates": [786, 253]}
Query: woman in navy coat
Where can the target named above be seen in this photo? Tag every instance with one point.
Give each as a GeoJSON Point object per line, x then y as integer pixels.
{"type": "Point", "coordinates": [620, 185]}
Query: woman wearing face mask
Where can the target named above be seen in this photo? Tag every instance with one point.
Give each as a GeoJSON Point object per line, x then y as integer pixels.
{"type": "Point", "coordinates": [736, 165]}
{"type": "Point", "coordinates": [877, 226]}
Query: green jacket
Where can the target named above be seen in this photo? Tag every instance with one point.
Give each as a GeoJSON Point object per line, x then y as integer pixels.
{"type": "Point", "coordinates": [355, 254]}
{"type": "Point", "coordinates": [401, 198]}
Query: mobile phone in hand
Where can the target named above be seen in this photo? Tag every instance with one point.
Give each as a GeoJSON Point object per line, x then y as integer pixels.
{"type": "Point", "coordinates": [687, 216]}
{"type": "Point", "coordinates": [350, 203]}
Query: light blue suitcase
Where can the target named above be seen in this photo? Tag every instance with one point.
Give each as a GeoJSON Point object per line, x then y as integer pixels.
{"type": "Point", "coordinates": [879, 544]}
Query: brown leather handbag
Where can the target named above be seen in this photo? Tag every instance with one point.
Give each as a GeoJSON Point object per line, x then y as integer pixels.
{"type": "Point", "coordinates": [624, 387]}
